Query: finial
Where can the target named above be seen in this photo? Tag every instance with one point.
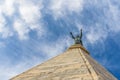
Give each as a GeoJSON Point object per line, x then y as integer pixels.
{"type": "Point", "coordinates": [78, 38]}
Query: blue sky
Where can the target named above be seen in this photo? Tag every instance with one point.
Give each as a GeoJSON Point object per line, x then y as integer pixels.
{"type": "Point", "coordinates": [33, 31]}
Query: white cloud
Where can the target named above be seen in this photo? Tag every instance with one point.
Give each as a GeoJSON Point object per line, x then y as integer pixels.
{"type": "Point", "coordinates": [28, 18]}
{"type": "Point", "coordinates": [53, 48]}
{"type": "Point", "coordinates": [31, 16]}
{"type": "Point", "coordinates": [113, 17]}
{"type": "Point", "coordinates": [21, 29]}
{"type": "Point", "coordinates": [4, 30]}
{"type": "Point", "coordinates": [7, 7]}
{"type": "Point", "coordinates": [96, 34]}
{"type": "Point", "coordinates": [62, 7]}
{"type": "Point", "coordinates": [30, 12]}
{"type": "Point", "coordinates": [108, 22]}
{"type": "Point", "coordinates": [9, 70]}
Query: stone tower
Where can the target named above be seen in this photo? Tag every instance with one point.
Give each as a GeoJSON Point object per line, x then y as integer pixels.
{"type": "Point", "coordinates": [74, 64]}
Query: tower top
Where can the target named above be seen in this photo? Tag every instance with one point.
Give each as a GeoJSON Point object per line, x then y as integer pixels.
{"type": "Point", "coordinates": [78, 38]}
{"type": "Point", "coordinates": [74, 64]}
{"type": "Point", "coordinates": [78, 46]}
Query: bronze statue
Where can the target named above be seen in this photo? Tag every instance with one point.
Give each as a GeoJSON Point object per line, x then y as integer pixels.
{"type": "Point", "coordinates": [78, 38]}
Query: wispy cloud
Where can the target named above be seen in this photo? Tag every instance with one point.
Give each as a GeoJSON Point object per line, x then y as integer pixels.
{"type": "Point", "coordinates": [102, 18]}
{"type": "Point", "coordinates": [57, 46]}
{"type": "Point", "coordinates": [9, 71]}
{"type": "Point", "coordinates": [2, 44]}
{"type": "Point", "coordinates": [4, 29]}
{"type": "Point", "coordinates": [30, 16]}
{"type": "Point", "coordinates": [63, 7]}
{"type": "Point", "coordinates": [7, 7]}
{"type": "Point", "coordinates": [24, 16]}
{"type": "Point", "coordinates": [12, 69]}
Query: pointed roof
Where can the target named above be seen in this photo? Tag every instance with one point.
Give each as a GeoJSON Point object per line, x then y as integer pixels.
{"type": "Point", "coordinates": [74, 64]}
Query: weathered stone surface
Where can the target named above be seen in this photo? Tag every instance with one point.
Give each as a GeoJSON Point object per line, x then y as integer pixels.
{"type": "Point", "coordinates": [74, 64]}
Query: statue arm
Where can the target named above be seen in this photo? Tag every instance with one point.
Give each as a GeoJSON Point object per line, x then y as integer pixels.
{"type": "Point", "coordinates": [81, 34]}
{"type": "Point", "coordinates": [72, 35]}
